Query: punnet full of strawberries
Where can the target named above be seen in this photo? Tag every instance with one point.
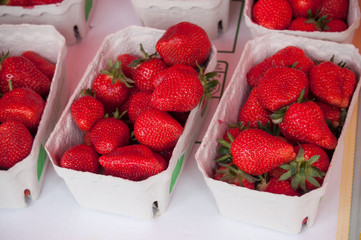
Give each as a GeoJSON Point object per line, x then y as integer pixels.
{"type": "Point", "coordinates": [137, 107]}
{"type": "Point", "coordinates": [288, 128]}
{"type": "Point", "coordinates": [302, 15]}
{"type": "Point", "coordinates": [24, 87]}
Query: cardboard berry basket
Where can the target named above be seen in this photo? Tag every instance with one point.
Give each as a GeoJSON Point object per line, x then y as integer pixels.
{"type": "Point", "coordinates": [165, 13]}
{"type": "Point", "coordinates": [353, 22]}
{"type": "Point", "coordinates": [140, 199]}
{"type": "Point", "coordinates": [70, 17]}
{"type": "Point", "coordinates": [274, 211]}
{"type": "Point", "coordinates": [28, 175]}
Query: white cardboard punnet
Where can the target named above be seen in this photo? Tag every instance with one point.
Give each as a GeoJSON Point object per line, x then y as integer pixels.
{"type": "Point", "coordinates": [353, 22]}
{"type": "Point", "coordinates": [208, 14]}
{"type": "Point", "coordinates": [141, 199]}
{"type": "Point", "coordinates": [69, 17]}
{"type": "Point", "coordinates": [275, 211]}
{"type": "Point", "coordinates": [30, 173]}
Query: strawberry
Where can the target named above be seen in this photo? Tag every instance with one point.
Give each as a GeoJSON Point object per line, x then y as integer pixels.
{"type": "Point", "coordinates": [304, 122]}
{"type": "Point", "coordinates": [86, 111]}
{"type": "Point", "coordinates": [255, 151]}
{"type": "Point", "coordinates": [307, 171]}
{"type": "Point", "coordinates": [41, 63]}
{"type": "Point", "coordinates": [81, 158]}
{"type": "Point", "coordinates": [335, 9]}
{"type": "Point", "coordinates": [335, 25]}
{"type": "Point", "coordinates": [331, 113]}
{"type": "Point", "coordinates": [108, 134]}
{"type": "Point", "coordinates": [139, 103]}
{"type": "Point", "coordinates": [111, 86]}
{"type": "Point", "coordinates": [133, 162]}
{"type": "Point", "coordinates": [182, 89]}
{"type": "Point", "coordinates": [157, 130]}
{"type": "Point", "coordinates": [301, 8]}
{"type": "Point", "coordinates": [145, 69]}
{"type": "Point", "coordinates": [181, 117]}
{"type": "Point", "coordinates": [281, 86]}
{"type": "Point", "coordinates": [15, 143]}
{"type": "Point", "coordinates": [125, 60]}
{"type": "Point", "coordinates": [22, 73]}
{"type": "Point", "coordinates": [229, 173]}
{"type": "Point", "coordinates": [288, 56]}
{"type": "Point", "coordinates": [234, 130]}
{"type": "Point", "coordinates": [272, 14]}
{"type": "Point", "coordinates": [184, 43]}
{"type": "Point", "coordinates": [14, 2]}
{"type": "Point", "coordinates": [332, 83]}
{"type": "Point", "coordinates": [132, 92]}
{"type": "Point", "coordinates": [252, 111]}
{"type": "Point", "coordinates": [304, 24]}
{"type": "Point", "coordinates": [277, 186]}
{"type": "Point", "coordinates": [22, 105]}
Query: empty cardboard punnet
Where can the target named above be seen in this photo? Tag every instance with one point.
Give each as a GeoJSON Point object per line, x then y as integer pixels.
{"type": "Point", "coordinates": [274, 211]}
{"type": "Point", "coordinates": [211, 15]}
{"type": "Point", "coordinates": [353, 22]}
{"type": "Point", "coordinates": [112, 194]}
{"type": "Point", "coordinates": [70, 17]}
{"type": "Point", "coordinates": [29, 174]}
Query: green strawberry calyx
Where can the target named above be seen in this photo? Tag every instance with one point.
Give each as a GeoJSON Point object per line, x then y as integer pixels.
{"type": "Point", "coordinates": [116, 74]}
{"type": "Point", "coordinates": [145, 57]}
{"type": "Point", "coordinates": [209, 84]}
{"type": "Point", "coordinates": [300, 170]}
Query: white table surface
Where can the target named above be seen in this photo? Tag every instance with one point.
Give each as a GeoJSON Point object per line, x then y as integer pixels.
{"type": "Point", "coordinates": [192, 213]}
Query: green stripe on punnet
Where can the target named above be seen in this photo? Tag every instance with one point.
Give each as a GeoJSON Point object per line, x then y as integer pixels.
{"type": "Point", "coordinates": [176, 172]}
{"type": "Point", "coordinates": [41, 161]}
{"type": "Point", "coordinates": [88, 7]}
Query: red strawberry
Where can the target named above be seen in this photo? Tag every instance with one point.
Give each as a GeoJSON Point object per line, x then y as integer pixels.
{"type": "Point", "coordinates": [22, 73]}
{"type": "Point", "coordinates": [181, 90]}
{"type": "Point", "coordinates": [288, 56]}
{"type": "Point", "coordinates": [277, 186]}
{"type": "Point", "coordinates": [132, 92]}
{"type": "Point", "coordinates": [22, 105]}
{"type": "Point", "coordinates": [304, 24]}
{"type": "Point", "coordinates": [335, 25]}
{"type": "Point", "coordinates": [41, 63]}
{"type": "Point", "coordinates": [335, 9]}
{"type": "Point", "coordinates": [15, 143]}
{"type": "Point", "coordinates": [184, 43]}
{"type": "Point", "coordinates": [272, 14]}
{"type": "Point", "coordinates": [111, 87]}
{"type": "Point", "coordinates": [157, 130]}
{"type": "Point", "coordinates": [331, 113]}
{"type": "Point", "coordinates": [300, 8]}
{"type": "Point", "coordinates": [231, 174]}
{"type": "Point", "coordinates": [304, 122]}
{"type": "Point", "coordinates": [133, 162]}
{"type": "Point", "coordinates": [126, 59]}
{"type": "Point", "coordinates": [332, 83]}
{"type": "Point", "coordinates": [256, 152]}
{"type": "Point", "coordinates": [14, 2]}
{"type": "Point", "coordinates": [81, 158]}
{"type": "Point", "coordinates": [108, 134]}
{"type": "Point", "coordinates": [145, 69]}
{"type": "Point", "coordinates": [86, 111]}
{"type": "Point", "coordinates": [252, 111]}
{"type": "Point", "coordinates": [281, 86]}
{"type": "Point", "coordinates": [140, 102]}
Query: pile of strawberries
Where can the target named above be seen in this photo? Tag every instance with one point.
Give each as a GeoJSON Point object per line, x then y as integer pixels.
{"type": "Point", "coordinates": [302, 15]}
{"type": "Point", "coordinates": [24, 86]}
{"type": "Point", "coordinates": [289, 126]}
{"type": "Point", "coordinates": [28, 3]}
{"type": "Point", "coordinates": [136, 109]}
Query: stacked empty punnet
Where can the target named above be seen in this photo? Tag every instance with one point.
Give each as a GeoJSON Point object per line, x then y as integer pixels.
{"type": "Point", "coordinates": [69, 17]}
{"type": "Point", "coordinates": [34, 93]}
{"type": "Point", "coordinates": [93, 148]}
{"type": "Point", "coordinates": [278, 132]}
